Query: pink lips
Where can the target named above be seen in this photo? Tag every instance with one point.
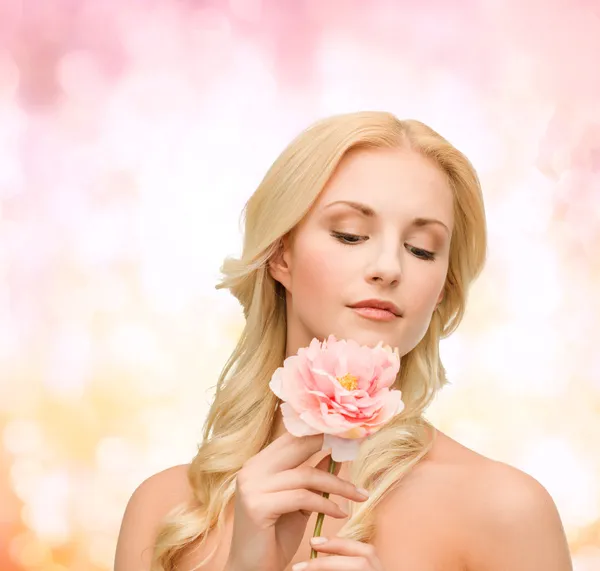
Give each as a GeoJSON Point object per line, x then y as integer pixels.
{"type": "Point", "coordinates": [375, 314]}
{"type": "Point", "coordinates": [377, 309]}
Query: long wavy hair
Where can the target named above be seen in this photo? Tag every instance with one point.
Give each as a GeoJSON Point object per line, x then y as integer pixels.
{"type": "Point", "coordinates": [244, 408]}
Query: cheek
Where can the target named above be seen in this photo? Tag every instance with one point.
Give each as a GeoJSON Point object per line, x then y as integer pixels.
{"type": "Point", "coordinates": [426, 289]}
{"type": "Point", "coordinates": [318, 275]}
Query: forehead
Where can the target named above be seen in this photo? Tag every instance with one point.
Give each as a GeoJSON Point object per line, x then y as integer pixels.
{"type": "Point", "coordinates": [392, 181]}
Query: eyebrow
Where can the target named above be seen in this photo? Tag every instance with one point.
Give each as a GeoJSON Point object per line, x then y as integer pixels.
{"type": "Point", "coordinates": [370, 213]}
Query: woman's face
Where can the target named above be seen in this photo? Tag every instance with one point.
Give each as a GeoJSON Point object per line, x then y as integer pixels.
{"type": "Point", "coordinates": [381, 230]}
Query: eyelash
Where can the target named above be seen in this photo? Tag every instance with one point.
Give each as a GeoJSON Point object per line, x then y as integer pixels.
{"type": "Point", "coordinates": [419, 252]}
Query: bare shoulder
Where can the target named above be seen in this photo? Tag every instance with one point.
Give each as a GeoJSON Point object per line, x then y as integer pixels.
{"type": "Point", "coordinates": [152, 500]}
{"type": "Point", "coordinates": [516, 523]}
{"type": "Point", "coordinates": [512, 520]}
{"type": "Point", "coordinates": [422, 522]}
{"type": "Point", "coordinates": [469, 512]}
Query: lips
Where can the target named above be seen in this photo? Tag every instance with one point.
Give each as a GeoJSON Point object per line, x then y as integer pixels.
{"type": "Point", "coordinates": [379, 304]}
{"type": "Point", "coordinates": [375, 314]}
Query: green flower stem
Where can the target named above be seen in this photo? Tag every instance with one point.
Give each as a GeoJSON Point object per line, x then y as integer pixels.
{"type": "Point", "coordinates": [321, 517]}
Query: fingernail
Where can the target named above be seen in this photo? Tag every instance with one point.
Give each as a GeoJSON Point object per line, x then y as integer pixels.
{"type": "Point", "coordinates": [318, 540]}
{"type": "Point", "coordinates": [363, 492]}
{"type": "Point", "coordinates": [300, 566]}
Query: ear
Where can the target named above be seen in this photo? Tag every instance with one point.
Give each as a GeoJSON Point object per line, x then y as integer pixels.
{"type": "Point", "coordinates": [280, 264]}
{"type": "Point", "coordinates": [440, 297]}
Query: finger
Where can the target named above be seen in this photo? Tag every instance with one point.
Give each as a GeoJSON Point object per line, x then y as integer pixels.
{"type": "Point", "coordinates": [335, 563]}
{"type": "Point", "coordinates": [285, 452]}
{"type": "Point", "coordinates": [346, 547]}
{"type": "Point", "coordinates": [316, 481]}
{"type": "Point", "coordinates": [289, 501]}
{"type": "Point", "coordinates": [323, 464]}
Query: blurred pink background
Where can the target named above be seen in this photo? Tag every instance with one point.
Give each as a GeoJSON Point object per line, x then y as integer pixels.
{"type": "Point", "coordinates": [131, 134]}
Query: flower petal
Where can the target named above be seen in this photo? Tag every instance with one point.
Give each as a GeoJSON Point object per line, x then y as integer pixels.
{"type": "Point", "coordinates": [276, 383]}
{"type": "Point", "coordinates": [294, 423]}
{"type": "Point", "coordinates": [324, 381]}
{"type": "Point", "coordinates": [342, 449]}
{"type": "Point", "coordinates": [392, 405]}
{"type": "Point", "coordinates": [315, 420]}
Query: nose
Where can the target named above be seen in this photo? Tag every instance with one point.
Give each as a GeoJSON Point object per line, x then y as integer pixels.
{"type": "Point", "coordinates": [385, 267]}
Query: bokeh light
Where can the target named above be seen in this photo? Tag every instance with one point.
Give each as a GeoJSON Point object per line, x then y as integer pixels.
{"type": "Point", "coordinates": [131, 135]}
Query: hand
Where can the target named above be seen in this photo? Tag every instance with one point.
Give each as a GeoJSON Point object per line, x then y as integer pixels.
{"type": "Point", "coordinates": [346, 555]}
{"type": "Point", "coordinates": [274, 497]}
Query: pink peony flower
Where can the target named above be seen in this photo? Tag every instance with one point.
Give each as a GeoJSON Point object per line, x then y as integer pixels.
{"type": "Point", "coordinates": [340, 389]}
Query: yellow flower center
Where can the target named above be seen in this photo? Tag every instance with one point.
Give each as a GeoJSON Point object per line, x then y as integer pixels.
{"type": "Point", "coordinates": [349, 382]}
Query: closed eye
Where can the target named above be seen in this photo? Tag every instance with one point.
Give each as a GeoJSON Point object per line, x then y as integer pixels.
{"type": "Point", "coordinates": [353, 239]}
{"type": "Point", "coordinates": [348, 238]}
{"type": "Point", "coordinates": [420, 253]}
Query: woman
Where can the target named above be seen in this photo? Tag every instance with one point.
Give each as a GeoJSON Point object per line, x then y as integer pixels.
{"type": "Point", "coordinates": [371, 228]}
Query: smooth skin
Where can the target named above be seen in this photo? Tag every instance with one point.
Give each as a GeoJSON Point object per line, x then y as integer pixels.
{"type": "Point", "coordinates": [456, 510]}
{"type": "Point", "coordinates": [275, 496]}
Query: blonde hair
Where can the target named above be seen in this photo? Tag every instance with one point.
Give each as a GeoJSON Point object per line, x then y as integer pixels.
{"type": "Point", "coordinates": [241, 418]}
